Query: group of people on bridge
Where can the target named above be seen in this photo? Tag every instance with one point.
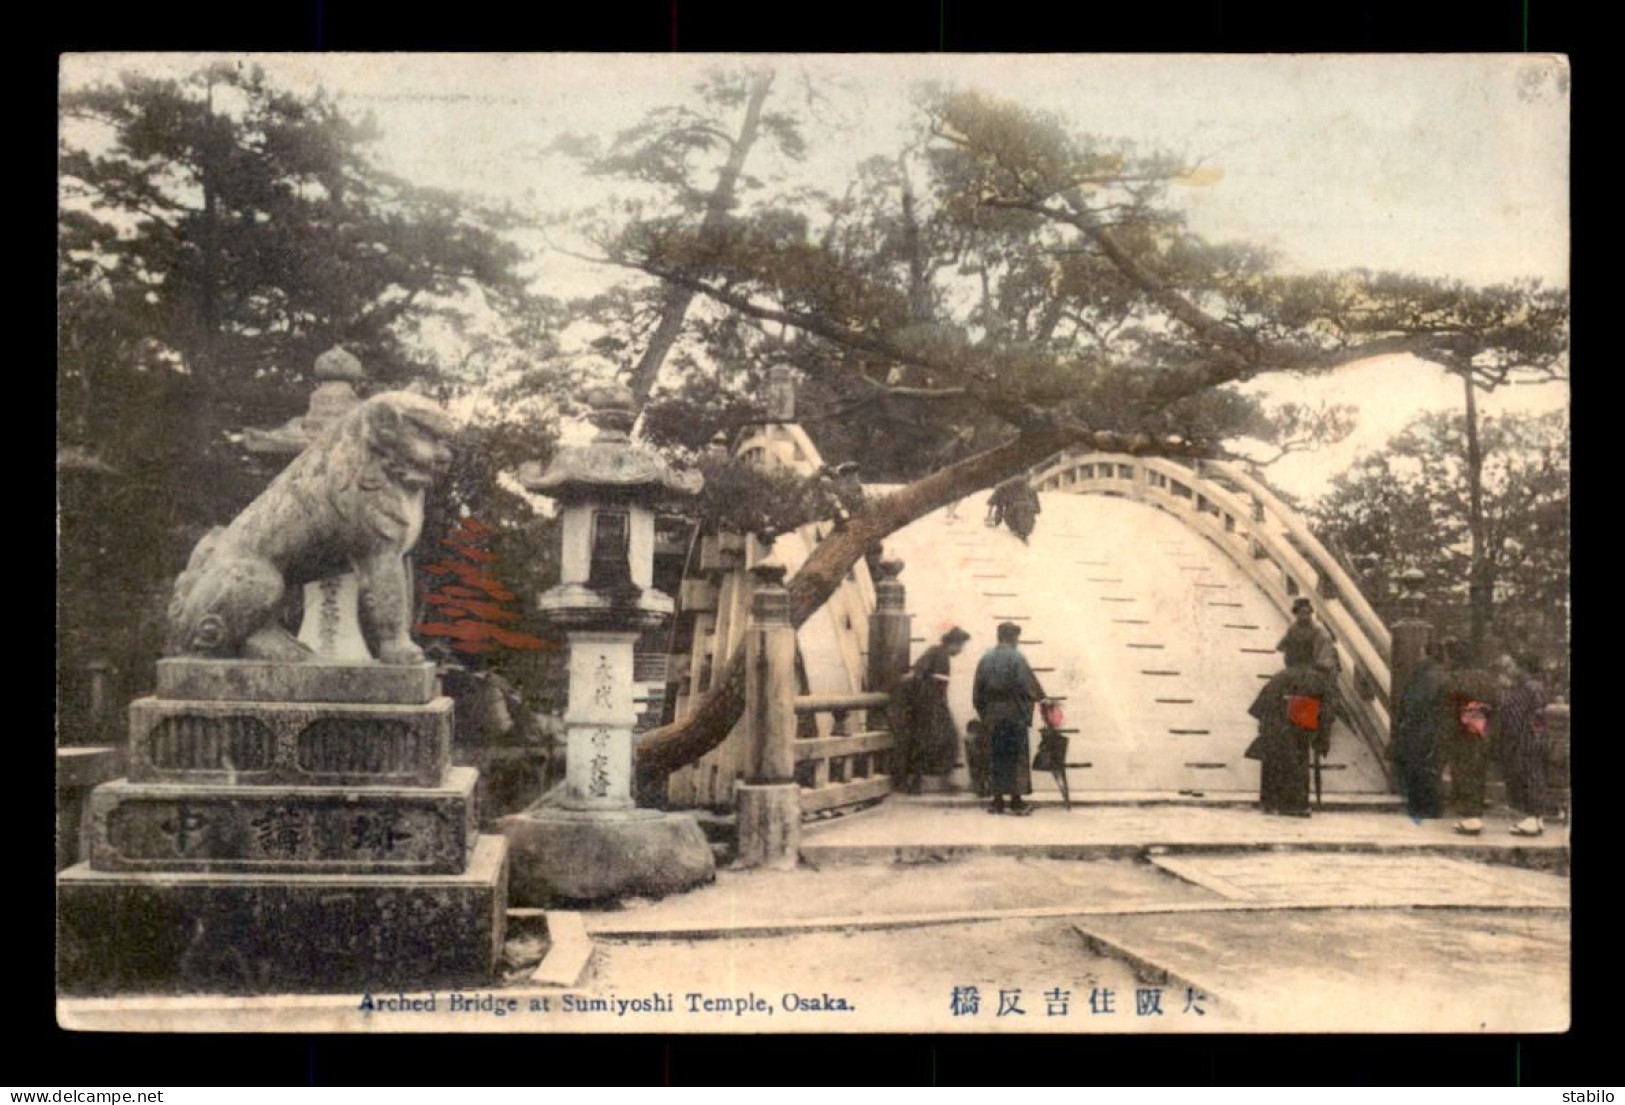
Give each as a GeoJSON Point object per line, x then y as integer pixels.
{"type": "Point", "coordinates": [1014, 503]}
{"type": "Point", "coordinates": [998, 746]}
{"type": "Point", "coordinates": [1455, 716]}
{"type": "Point", "coordinates": [1450, 717]}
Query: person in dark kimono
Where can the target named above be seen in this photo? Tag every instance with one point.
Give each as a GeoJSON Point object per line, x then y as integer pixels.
{"type": "Point", "coordinates": [1523, 728]}
{"type": "Point", "coordinates": [1021, 512]}
{"type": "Point", "coordinates": [1304, 626]}
{"type": "Point", "coordinates": [1004, 694]}
{"type": "Point", "coordinates": [1420, 722]}
{"type": "Point", "coordinates": [1294, 712]}
{"type": "Point", "coordinates": [1472, 695]}
{"type": "Point", "coordinates": [932, 742]}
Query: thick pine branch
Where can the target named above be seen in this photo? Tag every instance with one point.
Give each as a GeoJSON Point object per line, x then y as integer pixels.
{"type": "Point", "coordinates": [682, 742]}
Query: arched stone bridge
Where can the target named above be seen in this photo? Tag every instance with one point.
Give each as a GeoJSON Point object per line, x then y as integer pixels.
{"type": "Point", "coordinates": [1152, 596]}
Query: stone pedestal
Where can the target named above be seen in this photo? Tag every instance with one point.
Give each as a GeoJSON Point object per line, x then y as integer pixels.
{"type": "Point", "coordinates": [596, 845]}
{"type": "Point", "coordinates": [79, 771]}
{"type": "Point", "coordinates": [562, 856]}
{"type": "Point", "coordinates": [599, 721]}
{"type": "Point", "coordinates": [285, 827]}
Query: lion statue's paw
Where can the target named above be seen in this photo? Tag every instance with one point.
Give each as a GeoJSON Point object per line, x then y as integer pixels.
{"type": "Point", "coordinates": [404, 653]}
{"type": "Point", "coordinates": [275, 643]}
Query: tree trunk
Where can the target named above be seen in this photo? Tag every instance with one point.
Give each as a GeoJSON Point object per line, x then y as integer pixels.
{"type": "Point", "coordinates": [677, 299]}
{"type": "Point", "coordinates": [205, 355]}
{"type": "Point", "coordinates": [682, 742]}
{"type": "Point", "coordinates": [1480, 573]}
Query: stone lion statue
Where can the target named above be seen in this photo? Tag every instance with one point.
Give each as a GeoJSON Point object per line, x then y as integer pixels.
{"type": "Point", "coordinates": [352, 501]}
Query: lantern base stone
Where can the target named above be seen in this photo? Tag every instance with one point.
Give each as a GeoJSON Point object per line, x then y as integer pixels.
{"type": "Point", "coordinates": [561, 856]}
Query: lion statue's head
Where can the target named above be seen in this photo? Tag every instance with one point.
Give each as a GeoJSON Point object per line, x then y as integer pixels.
{"type": "Point", "coordinates": [408, 436]}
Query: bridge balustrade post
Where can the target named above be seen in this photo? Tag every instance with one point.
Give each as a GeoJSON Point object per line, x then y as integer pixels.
{"type": "Point", "coordinates": [889, 628]}
{"type": "Point", "coordinates": [768, 802]}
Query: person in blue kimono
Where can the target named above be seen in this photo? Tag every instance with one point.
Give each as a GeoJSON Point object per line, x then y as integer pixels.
{"type": "Point", "coordinates": [1004, 694]}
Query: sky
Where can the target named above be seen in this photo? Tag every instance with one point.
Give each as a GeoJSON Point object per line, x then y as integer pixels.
{"type": "Point", "coordinates": [1451, 166]}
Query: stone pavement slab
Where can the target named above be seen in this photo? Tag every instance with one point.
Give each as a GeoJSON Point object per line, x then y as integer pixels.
{"type": "Point", "coordinates": [762, 899]}
{"type": "Point", "coordinates": [1368, 880]}
{"type": "Point", "coordinates": [1038, 972]}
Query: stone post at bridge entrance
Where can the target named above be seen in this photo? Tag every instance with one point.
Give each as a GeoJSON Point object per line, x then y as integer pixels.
{"type": "Point", "coordinates": [889, 628]}
{"type": "Point", "coordinates": [769, 800]}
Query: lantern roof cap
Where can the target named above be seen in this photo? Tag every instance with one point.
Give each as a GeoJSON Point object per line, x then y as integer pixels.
{"type": "Point", "coordinates": [338, 363]}
{"type": "Point", "coordinates": [611, 462]}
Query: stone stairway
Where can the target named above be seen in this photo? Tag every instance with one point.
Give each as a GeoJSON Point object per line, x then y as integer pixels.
{"type": "Point", "coordinates": [1153, 639]}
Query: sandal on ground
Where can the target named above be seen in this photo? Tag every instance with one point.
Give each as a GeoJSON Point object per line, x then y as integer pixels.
{"type": "Point", "coordinates": [1528, 827]}
{"type": "Point", "coordinates": [1470, 826]}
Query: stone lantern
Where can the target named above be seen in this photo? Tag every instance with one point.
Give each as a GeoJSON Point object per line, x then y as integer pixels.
{"type": "Point", "coordinates": [1412, 600]}
{"type": "Point", "coordinates": [595, 844]}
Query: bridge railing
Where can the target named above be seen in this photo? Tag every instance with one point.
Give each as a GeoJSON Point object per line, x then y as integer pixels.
{"type": "Point", "coordinates": [851, 765]}
{"type": "Point", "coordinates": [1270, 545]}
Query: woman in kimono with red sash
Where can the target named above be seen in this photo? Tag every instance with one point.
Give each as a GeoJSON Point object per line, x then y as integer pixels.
{"type": "Point", "coordinates": [1293, 711]}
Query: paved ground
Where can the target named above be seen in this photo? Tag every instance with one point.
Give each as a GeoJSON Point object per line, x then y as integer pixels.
{"type": "Point", "coordinates": [1217, 942]}
{"type": "Point", "coordinates": [900, 980]}
{"type": "Point", "coordinates": [1401, 942]}
{"type": "Point", "coordinates": [920, 828]}
{"type": "Point", "coordinates": [1347, 921]}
